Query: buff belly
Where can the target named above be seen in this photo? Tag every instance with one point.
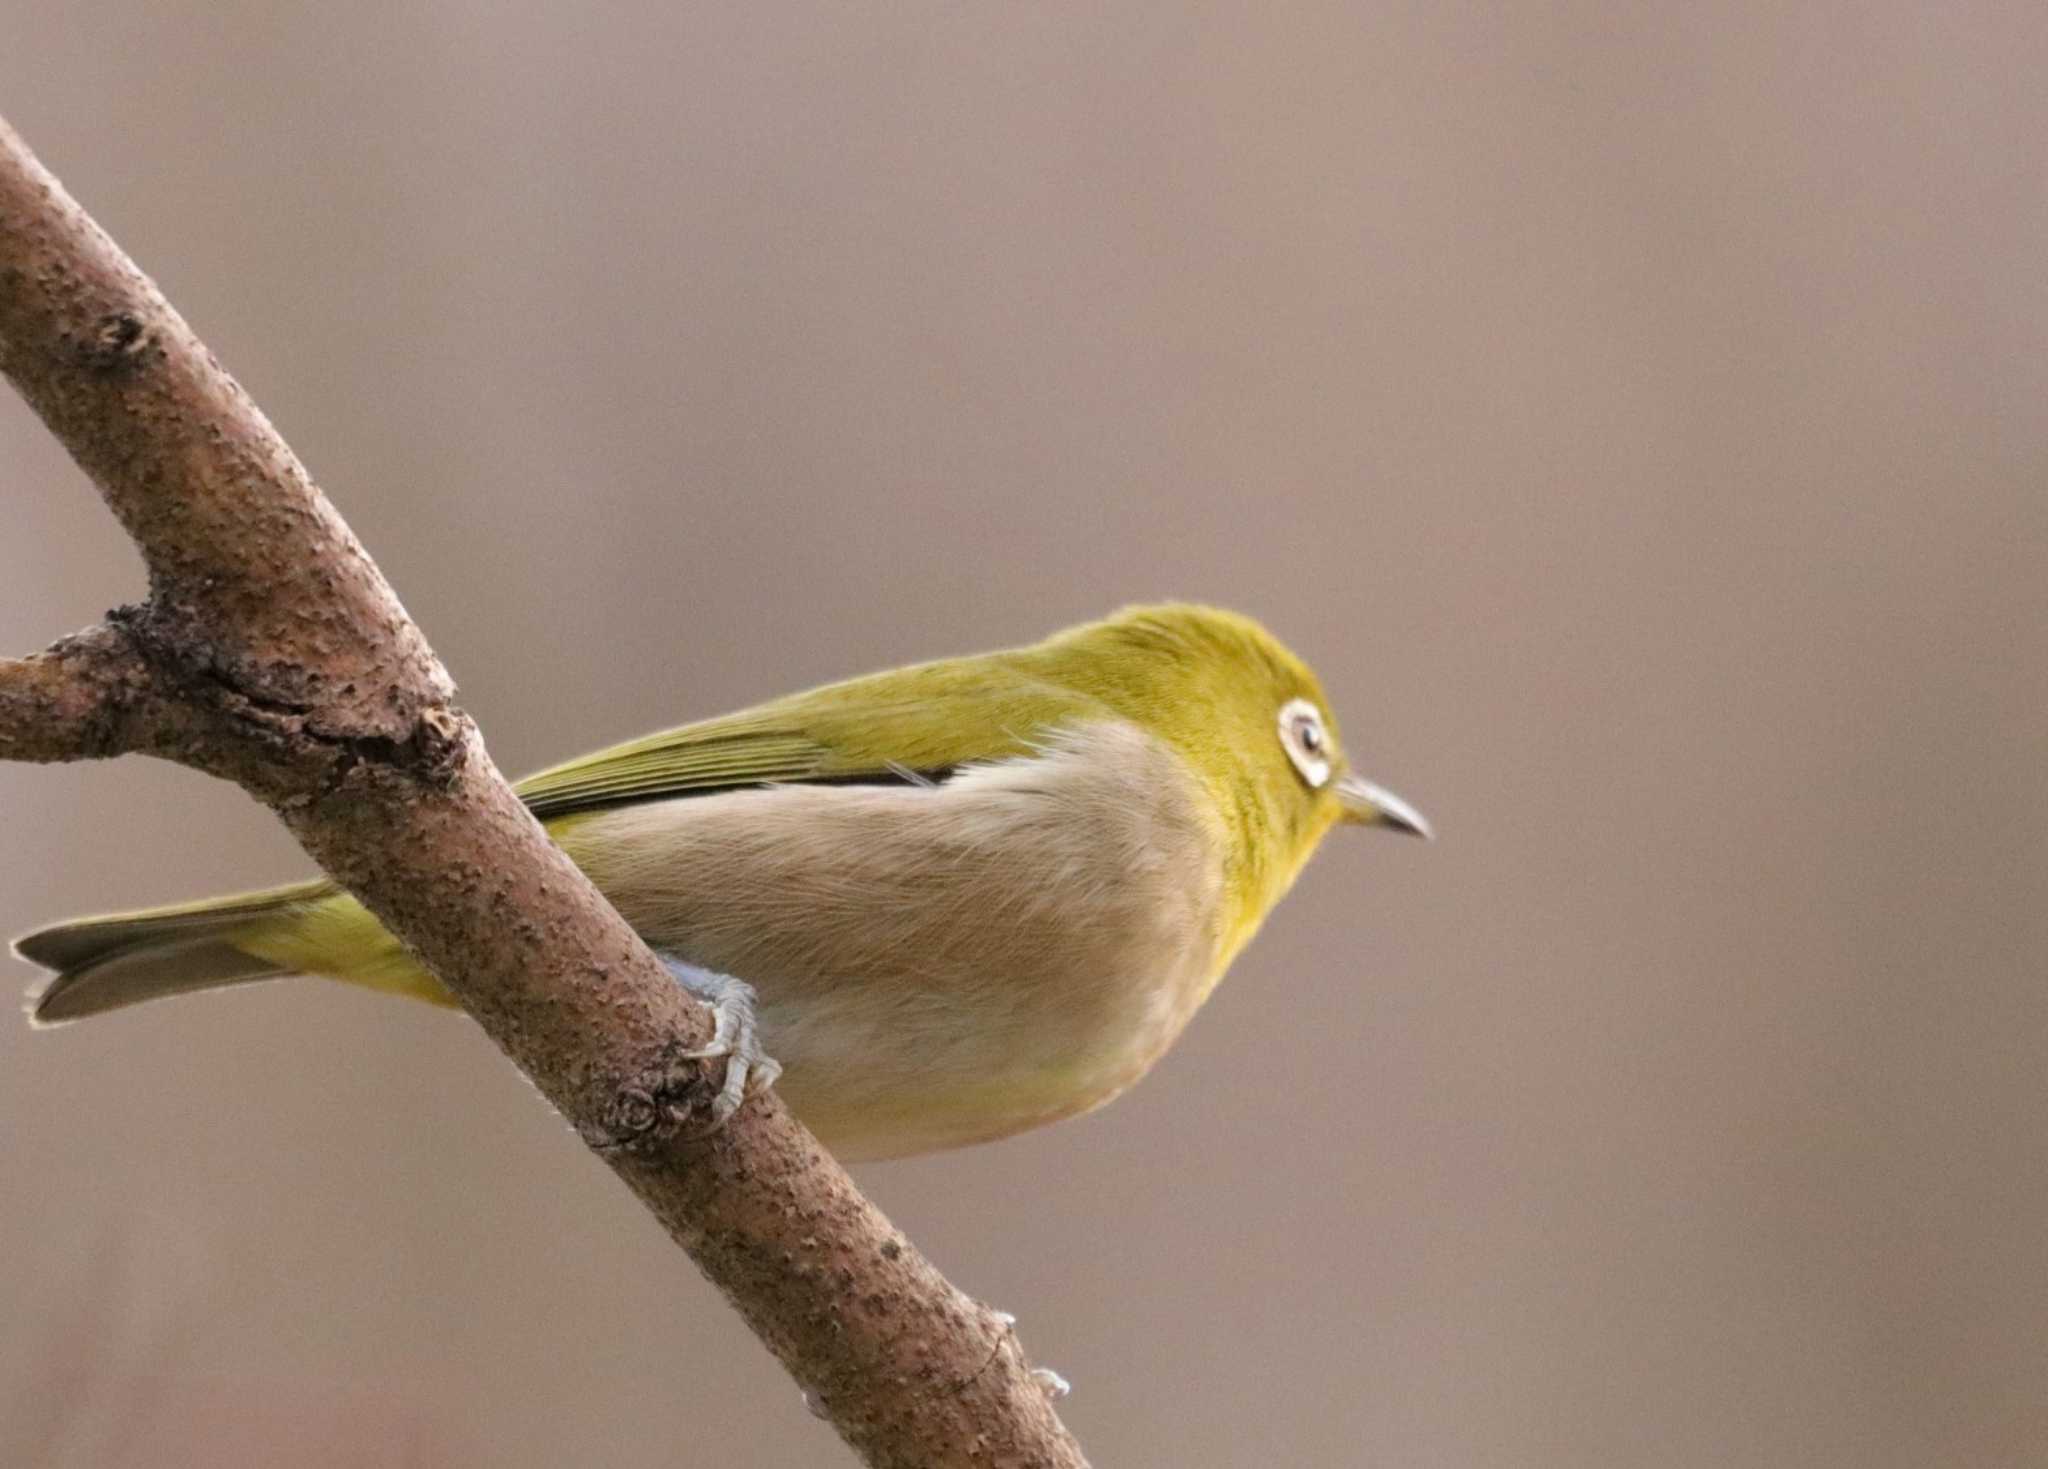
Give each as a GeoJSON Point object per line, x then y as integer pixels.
{"type": "Point", "coordinates": [948, 964]}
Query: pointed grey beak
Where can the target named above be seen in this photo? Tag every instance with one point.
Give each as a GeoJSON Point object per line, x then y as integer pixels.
{"type": "Point", "coordinates": [1373, 805]}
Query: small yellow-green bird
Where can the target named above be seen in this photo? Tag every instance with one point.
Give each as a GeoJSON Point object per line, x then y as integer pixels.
{"type": "Point", "coordinates": [952, 901]}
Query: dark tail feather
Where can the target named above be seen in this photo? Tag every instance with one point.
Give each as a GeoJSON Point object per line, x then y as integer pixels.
{"type": "Point", "coordinates": [106, 963]}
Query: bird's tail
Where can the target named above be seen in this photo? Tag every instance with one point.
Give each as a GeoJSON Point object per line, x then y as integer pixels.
{"type": "Point", "coordinates": [101, 964]}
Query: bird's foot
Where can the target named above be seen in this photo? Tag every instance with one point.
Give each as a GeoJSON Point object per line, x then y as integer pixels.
{"type": "Point", "coordinates": [748, 1069]}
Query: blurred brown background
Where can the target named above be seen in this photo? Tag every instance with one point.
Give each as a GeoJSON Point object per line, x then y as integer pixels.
{"type": "Point", "coordinates": [1637, 413]}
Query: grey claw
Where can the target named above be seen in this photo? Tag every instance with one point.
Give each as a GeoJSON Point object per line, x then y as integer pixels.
{"type": "Point", "coordinates": [748, 1069]}
{"type": "Point", "coordinates": [732, 1009]}
{"type": "Point", "coordinates": [724, 1025]}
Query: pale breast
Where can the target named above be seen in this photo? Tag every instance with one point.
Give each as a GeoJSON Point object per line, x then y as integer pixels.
{"type": "Point", "coordinates": [941, 965]}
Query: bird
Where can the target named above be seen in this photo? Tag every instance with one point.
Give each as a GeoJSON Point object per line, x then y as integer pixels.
{"type": "Point", "coordinates": [934, 906]}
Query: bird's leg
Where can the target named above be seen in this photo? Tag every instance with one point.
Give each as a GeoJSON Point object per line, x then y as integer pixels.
{"type": "Point", "coordinates": [748, 1069]}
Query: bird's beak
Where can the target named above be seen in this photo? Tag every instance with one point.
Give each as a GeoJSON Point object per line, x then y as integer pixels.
{"type": "Point", "coordinates": [1371, 805]}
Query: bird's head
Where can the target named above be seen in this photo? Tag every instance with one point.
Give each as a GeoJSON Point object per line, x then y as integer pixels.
{"type": "Point", "coordinates": [1251, 720]}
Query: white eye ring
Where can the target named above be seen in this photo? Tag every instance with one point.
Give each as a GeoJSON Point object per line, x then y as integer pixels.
{"type": "Point", "coordinates": [1307, 743]}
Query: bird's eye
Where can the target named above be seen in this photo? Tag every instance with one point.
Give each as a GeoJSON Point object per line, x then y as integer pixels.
{"type": "Point", "coordinates": [1306, 742]}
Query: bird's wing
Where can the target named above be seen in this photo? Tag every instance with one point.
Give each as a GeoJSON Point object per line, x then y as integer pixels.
{"type": "Point", "coordinates": [714, 755]}
{"type": "Point", "coordinates": [909, 724]}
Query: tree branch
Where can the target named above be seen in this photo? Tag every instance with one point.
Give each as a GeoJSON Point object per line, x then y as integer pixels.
{"type": "Point", "coordinates": [73, 700]}
{"type": "Point", "coordinates": [270, 651]}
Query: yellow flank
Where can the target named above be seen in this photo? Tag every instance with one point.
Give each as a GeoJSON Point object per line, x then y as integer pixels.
{"type": "Point", "coordinates": [973, 895]}
{"type": "Point", "coordinates": [339, 938]}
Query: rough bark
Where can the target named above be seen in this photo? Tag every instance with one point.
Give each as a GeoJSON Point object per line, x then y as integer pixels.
{"type": "Point", "coordinates": [270, 651]}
